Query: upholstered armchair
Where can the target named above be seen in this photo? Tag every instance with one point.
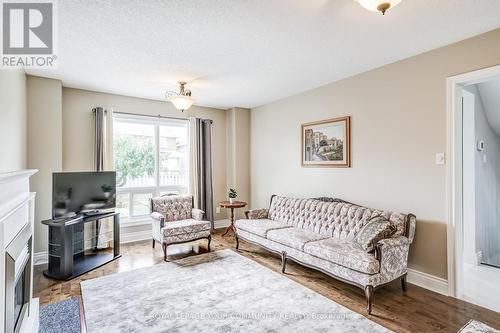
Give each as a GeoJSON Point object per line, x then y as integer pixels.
{"type": "Point", "coordinates": [175, 221]}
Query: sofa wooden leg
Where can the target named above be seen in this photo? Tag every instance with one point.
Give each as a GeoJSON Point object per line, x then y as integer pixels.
{"type": "Point", "coordinates": [283, 261]}
{"type": "Point", "coordinates": [209, 241]}
{"type": "Point", "coordinates": [153, 243]}
{"type": "Point", "coordinates": [164, 246]}
{"type": "Point", "coordinates": [403, 283]}
{"type": "Point", "coordinates": [369, 298]}
{"type": "Point", "coordinates": [237, 241]}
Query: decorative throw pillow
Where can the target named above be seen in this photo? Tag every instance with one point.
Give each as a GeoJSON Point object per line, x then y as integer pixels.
{"type": "Point", "coordinates": [377, 228]}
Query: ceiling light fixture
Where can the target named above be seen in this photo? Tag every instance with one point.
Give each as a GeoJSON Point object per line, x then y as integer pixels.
{"type": "Point", "coordinates": [181, 100]}
{"type": "Point", "coordinates": [378, 5]}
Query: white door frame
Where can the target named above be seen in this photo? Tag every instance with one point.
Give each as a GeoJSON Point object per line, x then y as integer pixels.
{"type": "Point", "coordinates": [454, 85]}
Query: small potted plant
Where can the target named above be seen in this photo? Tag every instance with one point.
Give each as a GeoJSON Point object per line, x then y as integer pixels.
{"type": "Point", "coordinates": [232, 195]}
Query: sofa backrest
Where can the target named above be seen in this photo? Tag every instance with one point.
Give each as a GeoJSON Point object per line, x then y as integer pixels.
{"type": "Point", "coordinates": [173, 207]}
{"type": "Point", "coordinates": [337, 219]}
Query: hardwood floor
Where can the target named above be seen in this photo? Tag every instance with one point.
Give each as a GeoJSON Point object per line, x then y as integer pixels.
{"type": "Point", "coordinates": [417, 310]}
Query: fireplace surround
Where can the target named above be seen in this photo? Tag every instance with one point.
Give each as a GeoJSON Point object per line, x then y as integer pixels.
{"type": "Point", "coordinates": [18, 309]}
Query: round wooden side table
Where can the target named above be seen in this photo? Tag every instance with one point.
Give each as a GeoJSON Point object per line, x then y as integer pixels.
{"type": "Point", "coordinates": [232, 206]}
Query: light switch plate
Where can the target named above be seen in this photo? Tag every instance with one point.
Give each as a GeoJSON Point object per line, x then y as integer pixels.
{"type": "Point", "coordinates": [440, 159]}
{"type": "Point", "coordinates": [217, 210]}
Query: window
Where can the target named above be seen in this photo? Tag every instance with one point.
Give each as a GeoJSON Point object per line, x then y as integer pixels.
{"type": "Point", "coordinates": [151, 158]}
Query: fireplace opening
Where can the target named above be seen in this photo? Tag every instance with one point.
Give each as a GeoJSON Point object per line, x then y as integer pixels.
{"type": "Point", "coordinates": [20, 299]}
{"type": "Point", "coordinates": [18, 280]}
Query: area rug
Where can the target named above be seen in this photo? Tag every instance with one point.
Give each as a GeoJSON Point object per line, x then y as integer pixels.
{"type": "Point", "coordinates": [60, 317]}
{"type": "Point", "coordinates": [216, 292]}
{"type": "Point", "coordinates": [475, 326]}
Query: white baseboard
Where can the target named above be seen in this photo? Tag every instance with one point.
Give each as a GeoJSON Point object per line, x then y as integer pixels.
{"type": "Point", "coordinates": [221, 224]}
{"type": "Point", "coordinates": [428, 281]}
{"type": "Point", "coordinates": [136, 236]}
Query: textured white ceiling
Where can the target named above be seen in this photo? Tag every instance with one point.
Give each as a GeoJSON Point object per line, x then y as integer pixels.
{"type": "Point", "coordinates": [247, 52]}
{"type": "Point", "coordinates": [490, 97]}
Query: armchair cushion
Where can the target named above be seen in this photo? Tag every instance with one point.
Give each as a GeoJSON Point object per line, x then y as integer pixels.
{"type": "Point", "coordinates": [344, 253]}
{"type": "Point", "coordinates": [375, 230]}
{"type": "Point", "coordinates": [181, 238]}
{"type": "Point", "coordinates": [187, 226]}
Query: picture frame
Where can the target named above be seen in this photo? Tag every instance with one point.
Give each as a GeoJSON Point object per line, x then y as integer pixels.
{"type": "Point", "coordinates": [327, 143]}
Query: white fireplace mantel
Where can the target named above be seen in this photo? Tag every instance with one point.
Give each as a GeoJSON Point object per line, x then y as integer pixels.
{"type": "Point", "coordinates": [16, 212]}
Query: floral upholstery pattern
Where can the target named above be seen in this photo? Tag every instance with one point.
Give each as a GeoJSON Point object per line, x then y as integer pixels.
{"type": "Point", "coordinates": [376, 229]}
{"type": "Point", "coordinates": [294, 237]}
{"type": "Point", "coordinates": [344, 253]}
{"type": "Point", "coordinates": [173, 208]}
{"type": "Point", "coordinates": [394, 256]}
{"type": "Point", "coordinates": [260, 227]}
{"type": "Point", "coordinates": [175, 220]}
{"type": "Point", "coordinates": [184, 227]}
{"type": "Point", "coordinates": [322, 234]}
{"type": "Point", "coordinates": [255, 214]}
{"type": "Point", "coordinates": [187, 237]}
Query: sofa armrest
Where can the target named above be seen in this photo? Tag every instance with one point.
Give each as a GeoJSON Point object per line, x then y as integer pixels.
{"type": "Point", "coordinates": [392, 253]}
{"type": "Point", "coordinates": [411, 225]}
{"type": "Point", "coordinates": [256, 214]}
{"type": "Point", "coordinates": [197, 214]}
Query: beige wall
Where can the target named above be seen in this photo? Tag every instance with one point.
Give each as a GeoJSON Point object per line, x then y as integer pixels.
{"type": "Point", "coordinates": [398, 124]}
{"type": "Point", "coordinates": [44, 147]}
{"type": "Point", "coordinates": [238, 156]}
{"type": "Point", "coordinates": [13, 119]}
{"type": "Point", "coordinates": [78, 129]}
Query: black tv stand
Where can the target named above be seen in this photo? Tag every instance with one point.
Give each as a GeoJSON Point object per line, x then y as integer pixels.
{"type": "Point", "coordinates": [76, 245]}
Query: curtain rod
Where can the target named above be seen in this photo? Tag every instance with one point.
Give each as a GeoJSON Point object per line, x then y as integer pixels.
{"type": "Point", "coordinates": [147, 115]}
{"type": "Point", "coordinates": [158, 116]}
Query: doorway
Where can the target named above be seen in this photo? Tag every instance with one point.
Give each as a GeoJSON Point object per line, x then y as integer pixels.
{"type": "Point", "coordinates": [474, 187]}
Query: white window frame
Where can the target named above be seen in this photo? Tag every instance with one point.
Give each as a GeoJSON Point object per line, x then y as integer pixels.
{"type": "Point", "coordinates": [157, 188]}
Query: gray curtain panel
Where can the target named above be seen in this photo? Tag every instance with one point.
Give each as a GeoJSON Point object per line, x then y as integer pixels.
{"type": "Point", "coordinates": [101, 226]}
{"type": "Point", "coordinates": [99, 138]}
{"type": "Point", "coordinates": [205, 199]}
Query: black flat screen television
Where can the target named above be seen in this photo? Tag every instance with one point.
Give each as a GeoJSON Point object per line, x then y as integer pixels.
{"type": "Point", "coordinates": [83, 193]}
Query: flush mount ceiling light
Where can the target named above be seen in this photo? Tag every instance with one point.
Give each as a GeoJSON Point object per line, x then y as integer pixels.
{"type": "Point", "coordinates": [378, 5]}
{"type": "Point", "coordinates": [181, 100]}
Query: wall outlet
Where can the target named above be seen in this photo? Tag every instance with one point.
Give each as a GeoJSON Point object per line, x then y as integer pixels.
{"type": "Point", "coordinates": [440, 159]}
{"type": "Point", "coordinates": [217, 210]}
{"type": "Point", "coordinates": [480, 145]}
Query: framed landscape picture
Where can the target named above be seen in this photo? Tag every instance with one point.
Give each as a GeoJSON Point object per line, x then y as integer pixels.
{"type": "Point", "coordinates": [326, 143]}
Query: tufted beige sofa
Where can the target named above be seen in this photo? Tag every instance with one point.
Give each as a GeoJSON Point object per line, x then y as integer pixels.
{"type": "Point", "coordinates": [320, 235]}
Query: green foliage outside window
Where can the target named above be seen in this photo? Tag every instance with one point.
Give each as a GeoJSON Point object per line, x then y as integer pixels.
{"type": "Point", "coordinates": [133, 159]}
